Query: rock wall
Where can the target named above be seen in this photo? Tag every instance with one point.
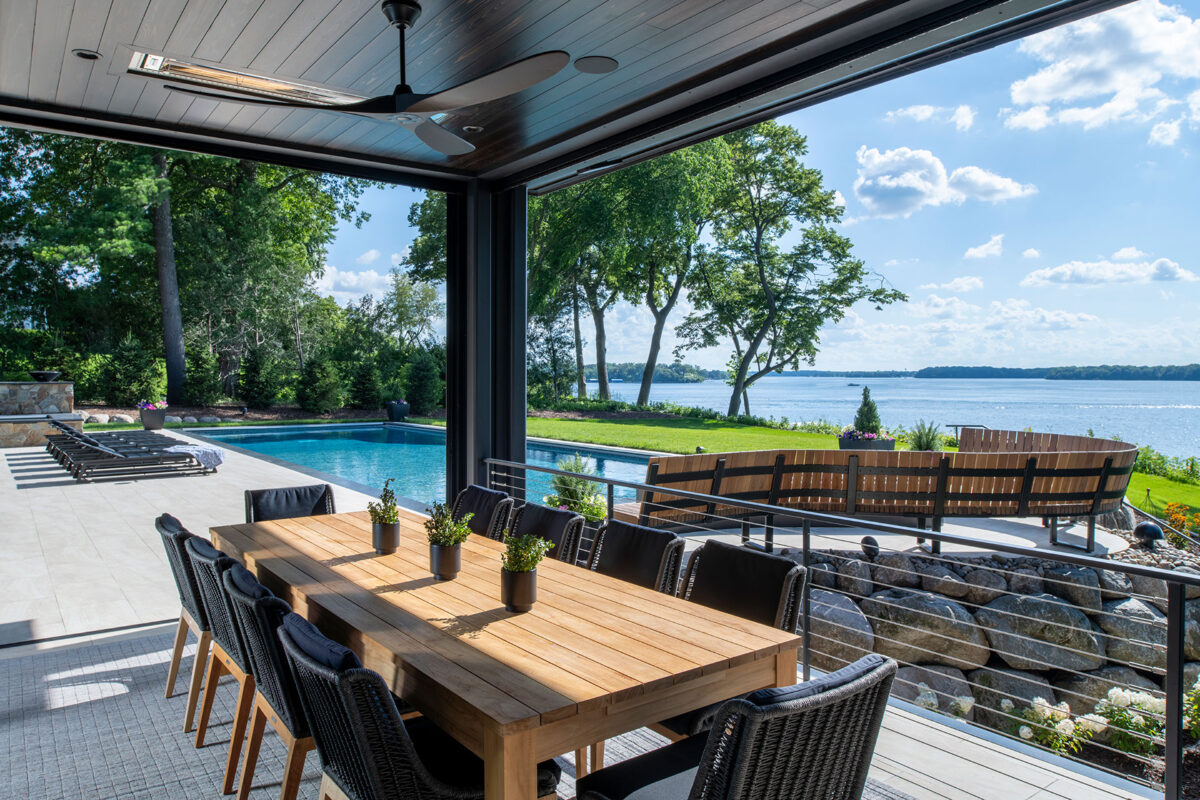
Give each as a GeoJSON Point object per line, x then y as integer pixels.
{"type": "Point", "coordinates": [995, 627]}
{"type": "Point", "coordinates": [27, 397]}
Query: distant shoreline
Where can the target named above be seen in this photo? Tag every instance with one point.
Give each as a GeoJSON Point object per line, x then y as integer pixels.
{"type": "Point", "coordinates": [1189, 372]}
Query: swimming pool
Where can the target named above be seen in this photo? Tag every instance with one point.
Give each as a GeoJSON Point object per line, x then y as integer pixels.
{"type": "Point", "coordinates": [415, 456]}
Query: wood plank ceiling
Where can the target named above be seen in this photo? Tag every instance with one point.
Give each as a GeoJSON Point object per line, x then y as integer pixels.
{"type": "Point", "coordinates": [674, 55]}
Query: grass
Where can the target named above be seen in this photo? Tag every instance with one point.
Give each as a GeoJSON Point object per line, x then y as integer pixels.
{"type": "Point", "coordinates": [124, 426]}
{"type": "Point", "coordinates": [1162, 491]}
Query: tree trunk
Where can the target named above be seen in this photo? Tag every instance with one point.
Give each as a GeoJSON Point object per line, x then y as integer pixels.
{"type": "Point", "coordinates": [168, 288]}
{"type": "Point", "coordinates": [299, 341]}
{"type": "Point", "coordinates": [580, 376]}
{"type": "Point", "coordinates": [746, 401]}
{"type": "Point", "coordinates": [739, 387]}
{"type": "Point", "coordinates": [660, 322]}
{"type": "Point", "coordinates": [601, 353]}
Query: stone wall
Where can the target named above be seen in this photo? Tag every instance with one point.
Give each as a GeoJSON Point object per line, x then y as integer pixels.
{"type": "Point", "coordinates": [27, 397]}
{"type": "Point", "coordinates": [31, 433]}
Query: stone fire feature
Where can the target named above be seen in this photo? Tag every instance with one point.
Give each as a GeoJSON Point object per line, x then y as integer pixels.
{"type": "Point", "coordinates": [25, 407]}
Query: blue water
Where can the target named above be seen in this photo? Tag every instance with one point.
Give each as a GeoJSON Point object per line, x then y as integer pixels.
{"type": "Point", "coordinates": [416, 458]}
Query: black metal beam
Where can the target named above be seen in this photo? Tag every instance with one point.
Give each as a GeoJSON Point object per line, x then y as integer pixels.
{"type": "Point", "coordinates": [485, 331]}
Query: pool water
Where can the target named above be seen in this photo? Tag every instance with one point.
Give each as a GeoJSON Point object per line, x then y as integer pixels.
{"type": "Point", "coordinates": [415, 457]}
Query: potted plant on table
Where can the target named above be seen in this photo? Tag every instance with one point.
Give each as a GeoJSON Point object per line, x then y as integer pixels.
{"type": "Point", "coordinates": [446, 535]}
{"type": "Point", "coordinates": [385, 520]}
{"type": "Point", "coordinates": [153, 413]}
{"type": "Point", "coordinates": [518, 570]}
{"type": "Point", "coordinates": [867, 431]}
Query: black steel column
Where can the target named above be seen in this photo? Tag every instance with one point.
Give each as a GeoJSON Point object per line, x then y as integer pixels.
{"type": "Point", "coordinates": [485, 331]}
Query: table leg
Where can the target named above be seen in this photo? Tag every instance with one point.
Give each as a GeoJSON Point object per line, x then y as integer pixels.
{"type": "Point", "coordinates": [509, 769]}
{"type": "Point", "coordinates": [785, 668]}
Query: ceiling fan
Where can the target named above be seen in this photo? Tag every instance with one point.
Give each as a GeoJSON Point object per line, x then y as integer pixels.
{"type": "Point", "coordinates": [410, 109]}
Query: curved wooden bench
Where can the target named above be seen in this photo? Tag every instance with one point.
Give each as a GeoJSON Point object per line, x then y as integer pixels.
{"type": "Point", "coordinates": [994, 474]}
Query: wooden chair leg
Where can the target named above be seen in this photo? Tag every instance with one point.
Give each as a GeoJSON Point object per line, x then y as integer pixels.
{"type": "Point", "coordinates": [293, 769]}
{"type": "Point", "coordinates": [253, 740]}
{"type": "Point", "coordinates": [597, 756]}
{"type": "Point", "coordinates": [211, 678]}
{"type": "Point", "coordinates": [202, 650]}
{"type": "Point", "coordinates": [181, 633]}
{"type": "Point", "coordinates": [663, 730]}
{"type": "Point", "coordinates": [245, 701]}
{"type": "Point", "coordinates": [330, 790]}
{"type": "Point", "coordinates": [581, 763]}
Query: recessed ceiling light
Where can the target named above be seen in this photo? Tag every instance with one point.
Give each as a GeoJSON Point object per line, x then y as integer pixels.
{"type": "Point", "coordinates": [472, 129]}
{"type": "Point", "coordinates": [596, 65]}
{"type": "Point", "coordinates": [86, 55]}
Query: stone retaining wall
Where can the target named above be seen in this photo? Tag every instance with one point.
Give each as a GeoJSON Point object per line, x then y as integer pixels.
{"type": "Point", "coordinates": [28, 397]}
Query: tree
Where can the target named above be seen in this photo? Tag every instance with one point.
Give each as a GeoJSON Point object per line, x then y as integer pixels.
{"type": "Point", "coordinates": [772, 303]}
{"type": "Point", "coordinates": [549, 371]}
{"type": "Point", "coordinates": [258, 385]}
{"type": "Point", "coordinates": [867, 419]}
{"type": "Point", "coordinates": [168, 283]}
{"type": "Point", "coordinates": [320, 387]}
{"type": "Point", "coordinates": [412, 309]}
{"type": "Point", "coordinates": [425, 386]}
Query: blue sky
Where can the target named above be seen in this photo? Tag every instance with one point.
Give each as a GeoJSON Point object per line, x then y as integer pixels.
{"type": "Point", "coordinates": [1038, 203]}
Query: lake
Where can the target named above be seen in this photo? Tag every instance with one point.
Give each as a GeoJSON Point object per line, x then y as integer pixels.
{"type": "Point", "coordinates": [1162, 414]}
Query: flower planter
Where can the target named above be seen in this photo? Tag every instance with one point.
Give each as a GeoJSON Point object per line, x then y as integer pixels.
{"type": "Point", "coordinates": [397, 410]}
{"type": "Point", "coordinates": [384, 536]}
{"type": "Point", "coordinates": [866, 444]}
{"type": "Point", "coordinates": [153, 418]}
{"type": "Point", "coordinates": [518, 590]}
{"type": "Point", "coordinates": [445, 562]}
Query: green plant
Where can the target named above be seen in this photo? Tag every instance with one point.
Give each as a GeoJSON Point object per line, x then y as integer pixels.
{"type": "Point", "coordinates": [524, 553]}
{"type": "Point", "coordinates": [1052, 727]}
{"type": "Point", "coordinates": [925, 436]}
{"type": "Point", "coordinates": [1135, 719]}
{"type": "Point", "coordinates": [443, 529]}
{"type": "Point", "coordinates": [203, 386]}
{"type": "Point", "coordinates": [574, 493]}
{"type": "Point", "coordinates": [131, 373]}
{"type": "Point", "coordinates": [320, 387]}
{"type": "Point", "coordinates": [425, 389]}
{"type": "Point", "coordinates": [867, 419]}
{"type": "Point", "coordinates": [258, 384]}
{"type": "Point", "coordinates": [384, 512]}
{"type": "Point", "coordinates": [365, 390]}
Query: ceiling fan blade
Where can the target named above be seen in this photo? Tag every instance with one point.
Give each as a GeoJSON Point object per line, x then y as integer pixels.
{"type": "Point", "coordinates": [441, 139]}
{"type": "Point", "coordinates": [229, 98]}
{"type": "Point", "coordinates": [515, 77]}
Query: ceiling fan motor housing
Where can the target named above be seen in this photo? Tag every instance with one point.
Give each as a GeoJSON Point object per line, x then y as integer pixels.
{"type": "Point", "coordinates": [401, 13]}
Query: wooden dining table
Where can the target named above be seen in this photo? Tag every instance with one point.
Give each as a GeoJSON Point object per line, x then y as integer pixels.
{"type": "Point", "coordinates": [595, 658]}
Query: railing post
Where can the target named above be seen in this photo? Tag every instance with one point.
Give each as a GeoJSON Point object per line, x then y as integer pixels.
{"type": "Point", "coordinates": [610, 501]}
{"type": "Point", "coordinates": [1173, 757]}
{"type": "Point", "coordinates": [806, 648]}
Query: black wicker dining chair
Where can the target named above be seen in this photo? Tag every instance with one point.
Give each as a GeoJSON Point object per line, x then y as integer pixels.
{"type": "Point", "coordinates": [649, 557]}
{"type": "Point", "coordinates": [259, 614]}
{"type": "Point", "coordinates": [489, 510]}
{"type": "Point", "coordinates": [367, 751]}
{"type": "Point", "coordinates": [811, 741]}
{"type": "Point", "coordinates": [737, 580]}
{"type": "Point", "coordinates": [563, 528]}
{"type": "Point", "coordinates": [288, 502]}
{"type": "Point", "coordinates": [192, 615]}
{"type": "Point", "coordinates": [228, 653]}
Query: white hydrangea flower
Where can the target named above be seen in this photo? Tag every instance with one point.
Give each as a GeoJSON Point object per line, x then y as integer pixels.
{"type": "Point", "coordinates": [1118, 697]}
{"type": "Point", "coordinates": [1065, 727]}
{"type": "Point", "coordinates": [1060, 711]}
{"type": "Point", "coordinates": [1137, 720]}
{"type": "Point", "coordinates": [962, 705]}
{"type": "Point", "coordinates": [1041, 707]}
{"type": "Point", "coordinates": [1025, 732]}
{"type": "Point", "coordinates": [1092, 723]}
{"type": "Point", "coordinates": [926, 698]}
{"type": "Point", "coordinates": [1156, 705]}
{"type": "Point", "coordinates": [1006, 705]}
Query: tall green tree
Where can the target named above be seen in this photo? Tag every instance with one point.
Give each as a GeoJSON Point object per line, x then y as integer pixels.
{"type": "Point", "coordinates": [771, 303]}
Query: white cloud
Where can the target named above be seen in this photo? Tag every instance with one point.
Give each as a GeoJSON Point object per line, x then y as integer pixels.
{"type": "Point", "coordinates": [990, 249]}
{"type": "Point", "coordinates": [1103, 272]}
{"type": "Point", "coordinates": [346, 286]}
{"type": "Point", "coordinates": [369, 257]}
{"type": "Point", "coordinates": [962, 117]}
{"type": "Point", "coordinates": [963, 283]}
{"type": "Point", "coordinates": [396, 258]}
{"type": "Point", "coordinates": [839, 199]}
{"type": "Point", "coordinates": [1128, 254]}
{"type": "Point", "coordinates": [899, 182]}
{"type": "Point", "coordinates": [1122, 65]}
{"type": "Point", "coordinates": [1030, 252]}
{"type": "Point", "coordinates": [936, 307]}
{"type": "Point", "coordinates": [1004, 314]}
{"type": "Point", "coordinates": [899, 262]}
{"type": "Point", "coordinates": [1165, 134]}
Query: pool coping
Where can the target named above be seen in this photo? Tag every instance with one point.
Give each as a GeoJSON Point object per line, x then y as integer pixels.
{"type": "Point", "coordinates": [406, 502]}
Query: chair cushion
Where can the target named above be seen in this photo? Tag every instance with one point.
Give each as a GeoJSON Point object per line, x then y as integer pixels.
{"type": "Point", "coordinates": [740, 581]}
{"type": "Point", "coordinates": [288, 502]}
{"type": "Point", "coordinates": [204, 548]}
{"type": "Point", "coordinates": [318, 646]}
{"type": "Point", "coordinates": [451, 763]}
{"type": "Point", "coordinates": [171, 524]}
{"type": "Point", "coordinates": [545, 522]}
{"type": "Point", "coordinates": [847, 674]}
{"type": "Point", "coordinates": [481, 504]}
{"type": "Point", "coordinates": [247, 584]}
{"type": "Point", "coordinates": [633, 553]}
{"type": "Point", "coordinates": [663, 774]}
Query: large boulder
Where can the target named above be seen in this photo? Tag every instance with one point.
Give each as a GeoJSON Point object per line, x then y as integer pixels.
{"type": "Point", "coordinates": [123, 418]}
{"type": "Point", "coordinates": [984, 586]}
{"type": "Point", "coordinates": [841, 633]}
{"type": "Point", "coordinates": [1137, 633]}
{"type": "Point", "coordinates": [947, 684]}
{"type": "Point", "coordinates": [1041, 632]}
{"type": "Point", "coordinates": [1191, 630]}
{"type": "Point", "coordinates": [1153, 588]}
{"type": "Point", "coordinates": [1026, 581]}
{"type": "Point", "coordinates": [823, 575]}
{"type": "Point", "coordinates": [1119, 519]}
{"type": "Point", "coordinates": [1114, 585]}
{"type": "Point", "coordinates": [1081, 691]}
{"type": "Point", "coordinates": [190, 420]}
{"type": "Point", "coordinates": [896, 571]}
{"type": "Point", "coordinates": [210, 420]}
{"type": "Point", "coordinates": [97, 419]}
{"type": "Point", "coordinates": [1077, 585]}
{"type": "Point", "coordinates": [1191, 673]}
{"type": "Point", "coordinates": [924, 628]}
{"type": "Point", "coordinates": [994, 685]}
{"type": "Point", "coordinates": [170, 419]}
{"type": "Point", "coordinates": [854, 577]}
{"type": "Point", "coordinates": [941, 579]}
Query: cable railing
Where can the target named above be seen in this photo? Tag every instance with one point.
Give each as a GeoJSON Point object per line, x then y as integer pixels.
{"type": "Point", "coordinates": [1072, 653]}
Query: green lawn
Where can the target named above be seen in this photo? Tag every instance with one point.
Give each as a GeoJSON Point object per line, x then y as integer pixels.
{"type": "Point", "coordinates": [676, 435]}
{"type": "Point", "coordinates": [1162, 491]}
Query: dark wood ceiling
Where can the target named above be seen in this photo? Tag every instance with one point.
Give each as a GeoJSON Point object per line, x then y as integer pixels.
{"type": "Point", "coordinates": [686, 68]}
